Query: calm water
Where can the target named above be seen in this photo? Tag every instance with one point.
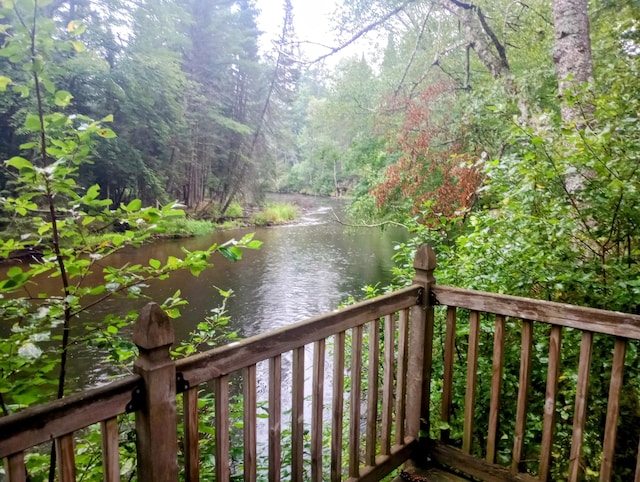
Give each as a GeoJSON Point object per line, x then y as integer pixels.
{"type": "Point", "coordinates": [301, 270]}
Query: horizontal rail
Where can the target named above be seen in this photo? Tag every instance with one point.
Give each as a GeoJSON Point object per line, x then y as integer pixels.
{"type": "Point", "coordinates": [40, 424]}
{"type": "Point", "coordinates": [235, 356]}
{"type": "Point", "coordinates": [588, 319]}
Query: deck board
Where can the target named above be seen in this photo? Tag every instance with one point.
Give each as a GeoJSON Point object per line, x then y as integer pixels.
{"type": "Point", "coordinates": [431, 474]}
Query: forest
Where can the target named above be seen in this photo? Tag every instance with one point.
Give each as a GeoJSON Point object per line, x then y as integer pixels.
{"type": "Point", "coordinates": [504, 133]}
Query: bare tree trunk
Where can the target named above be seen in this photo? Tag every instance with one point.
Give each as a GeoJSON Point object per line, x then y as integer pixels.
{"type": "Point", "coordinates": [572, 53]}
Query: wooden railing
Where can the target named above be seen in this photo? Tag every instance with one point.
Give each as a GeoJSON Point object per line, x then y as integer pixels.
{"type": "Point", "coordinates": [538, 444]}
{"type": "Point", "coordinates": [377, 417]}
{"type": "Point", "coordinates": [350, 395]}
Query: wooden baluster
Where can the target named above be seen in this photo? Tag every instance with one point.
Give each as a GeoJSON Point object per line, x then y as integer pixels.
{"type": "Point", "coordinates": [249, 399]}
{"type": "Point", "coordinates": [354, 401]}
{"type": "Point", "coordinates": [580, 412]}
{"type": "Point", "coordinates": [110, 450]}
{"type": "Point", "coordinates": [401, 384]}
{"type": "Point", "coordinates": [372, 392]}
{"type": "Point", "coordinates": [275, 418]}
{"type": "Point", "coordinates": [637, 477]}
{"type": "Point", "coordinates": [191, 435]}
{"type": "Point", "coordinates": [337, 415]}
{"type": "Point", "coordinates": [317, 410]}
{"type": "Point", "coordinates": [496, 388]}
{"type": "Point", "coordinates": [156, 422]}
{"type": "Point", "coordinates": [66, 456]}
{"type": "Point", "coordinates": [387, 386]}
{"type": "Point", "coordinates": [297, 415]}
{"type": "Point", "coordinates": [551, 393]}
{"type": "Point", "coordinates": [613, 409]}
{"type": "Point", "coordinates": [15, 468]}
{"type": "Point", "coordinates": [447, 382]}
{"type": "Point", "coordinates": [472, 374]}
{"type": "Point", "coordinates": [523, 391]}
{"type": "Point", "coordinates": [419, 369]}
{"type": "Point", "coordinates": [223, 415]}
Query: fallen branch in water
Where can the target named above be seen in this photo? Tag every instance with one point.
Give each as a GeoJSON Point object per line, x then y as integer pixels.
{"type": "Point", "coordinates": [378, 225]}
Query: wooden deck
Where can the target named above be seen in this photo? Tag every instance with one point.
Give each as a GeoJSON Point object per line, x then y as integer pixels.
{"type": "Point", "coordinates": [398, 396]}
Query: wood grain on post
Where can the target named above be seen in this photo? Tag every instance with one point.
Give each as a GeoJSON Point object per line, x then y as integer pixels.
{"type": "Point", "coordinates": [156, 422]}
{"type": "Point", "coordinates": [15, 468]}
{"type": "Point", "coordinates": [447, 381]}
{"type": "Point", "coordinates": [372, 393]}
{"type": "Point", "coordinates": [297, 414]}
{"type": "Point", "coordinates": [317, 401]}
{"type": "Point", "coordinates": [523, 392]}
{"type": "Point", "coordinates": [613, 410]}
{"type": "Point", "coordinates": [387, 386]}
{"type": "Point", "coordinates": [191, 435]}
{"type": "Point", "coordinates": [551, 394]}
{"type": "Point", "coordinates": [110, 451]}
{"type": "Point", "coordinates": [472, 375]}
{"type": "Point", "coordinates": [401, 385]}
{"type": "Point", "coordinates": [580, 412]}
{"type": "Point", "coordinates": [249, 402]}
{"type": "Point", "coordinates": [419, 369]}
{"type": "Point", "coordinates": [275, 417]}
{"type": "Point", "coordinates": [354, 401]}
{"type": "Point", "coordinates": [66, 456]}
{"type": "Point", "coordinates": [496, 388]}
{"type": "Point", "coordinates": [337, 415]}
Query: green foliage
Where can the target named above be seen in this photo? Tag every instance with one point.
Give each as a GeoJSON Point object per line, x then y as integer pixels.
{"type": "Point", "coordinates": [275, 213]}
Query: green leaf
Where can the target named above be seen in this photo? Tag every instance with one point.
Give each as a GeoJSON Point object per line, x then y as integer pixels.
{"type": "Point", "coordinates": [28, 145]}
{"type": "Point", "coordinates": [48, 85]}
{"type": "Point", "coordinates": [23, 90]}
{"type": "Point", "coordinates": [78, 46]}
{"type": "Point", "coordinates": [4, 81]}
{"type": "Point", "coordinates": [106, 133]}
{"type": "Point", "coordinates": [63, 98]}
{"type": "Point", "coordinates": [154, 263]}
{"type": "Point", "coordinates": [19, 163]}
{"type": "Point", "coordinates": [134, 205]}
{"type": "Point", "coordinates": [230, 253]}
{"type": "Point", "coordinates": [32, 123]}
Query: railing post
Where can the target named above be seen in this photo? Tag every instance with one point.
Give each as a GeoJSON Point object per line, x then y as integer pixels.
{"type": "Point", "coordinates": [421, 344]}
{"type": "Point", "coordinates": [156, 421]}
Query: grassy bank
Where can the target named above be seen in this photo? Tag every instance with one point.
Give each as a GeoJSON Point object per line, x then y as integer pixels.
{"type": "Point", "coordinates": [275, 213]}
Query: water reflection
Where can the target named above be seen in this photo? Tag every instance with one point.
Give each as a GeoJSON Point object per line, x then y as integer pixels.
{"type": "Point", "coordinates": [302, 270]}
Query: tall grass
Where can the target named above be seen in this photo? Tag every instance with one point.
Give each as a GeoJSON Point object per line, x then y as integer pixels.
{"type": "Point", "coordinates": [276, 213]}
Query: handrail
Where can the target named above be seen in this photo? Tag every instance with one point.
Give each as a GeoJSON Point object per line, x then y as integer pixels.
{"type": "Point", "coordinates": [602, 321]}
{"type": "Point", "coordinates": [220, 361]}
{"type": "Point", "coordinates": [43, 423]}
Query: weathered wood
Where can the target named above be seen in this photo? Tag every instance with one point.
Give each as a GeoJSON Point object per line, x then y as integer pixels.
{"type": "Point", "coordinates": [613, 410]}
{"type": "Point", "coordinates": [551, 393]}
{"type": "Point", "coordinates": [317, 405]}
{"type": "Point", "coordinates": [591, 319]}
{"type": "Point", "coordinates": [297, 414]}
{"type": "Point", "coordinates": [447, 381]}
{"type": "Point", "coordinates": [275, 417]}
{"type": "Point", "coordinates": [15, 468]}
{"type": "Point", "coordinates": [156, 422]}
{"type": "Point", "coordinates": [354, 401]}
{"type": "Point", "coordinates": [432, 474]}
{"type": "Point", "coordinates": [191, 435]}
{"type": "Point", "coordinates": [523, 391]}
{"type": "Point", "coordinates": [472, 374]}
{"type": "Point", "coordinates": [337, 414]}
{"type": "Point", "coordinates": [371, 438]}
{"type": "Point", "coordinates": [447, 456]}
{"type": "Point", "coordinates": [387, 386]}
{"type": "Point", "coordinates": [580, 411]}
{"type": "Point", "coordinates": [36, 425]}
{"type": "Point", "coordinates": [249, 400]}
{"type": "Point", "coordinates": [205, 366]}
{"type": "Point", "coordinates": [401, 384]}
{"type": "Point", "coordinates": [637, 476]}
{"type": "Point", "coordinates": [385, 464]}
{"type": "Point", "coordinates": [496, 388]}
{"type": "Point", "coordinates": [65, 454]}
{"type": "Point", "coordinates": [222, 425]}
{"type": "Point", "coordinates": [110, 451]}
{"type": "Point", "coordinates": [421, 342]}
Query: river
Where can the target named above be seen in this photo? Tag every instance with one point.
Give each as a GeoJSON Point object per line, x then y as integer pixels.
{"type": "Point", "coordinates": [302, 270]}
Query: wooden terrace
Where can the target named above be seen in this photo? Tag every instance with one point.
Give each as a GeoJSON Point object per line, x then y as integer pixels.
{"type": "Point", "coordinates": [416, 379]}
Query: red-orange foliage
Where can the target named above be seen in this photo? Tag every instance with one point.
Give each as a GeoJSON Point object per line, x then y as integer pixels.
{"type": "Point", "coordinates": [432, 168]}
